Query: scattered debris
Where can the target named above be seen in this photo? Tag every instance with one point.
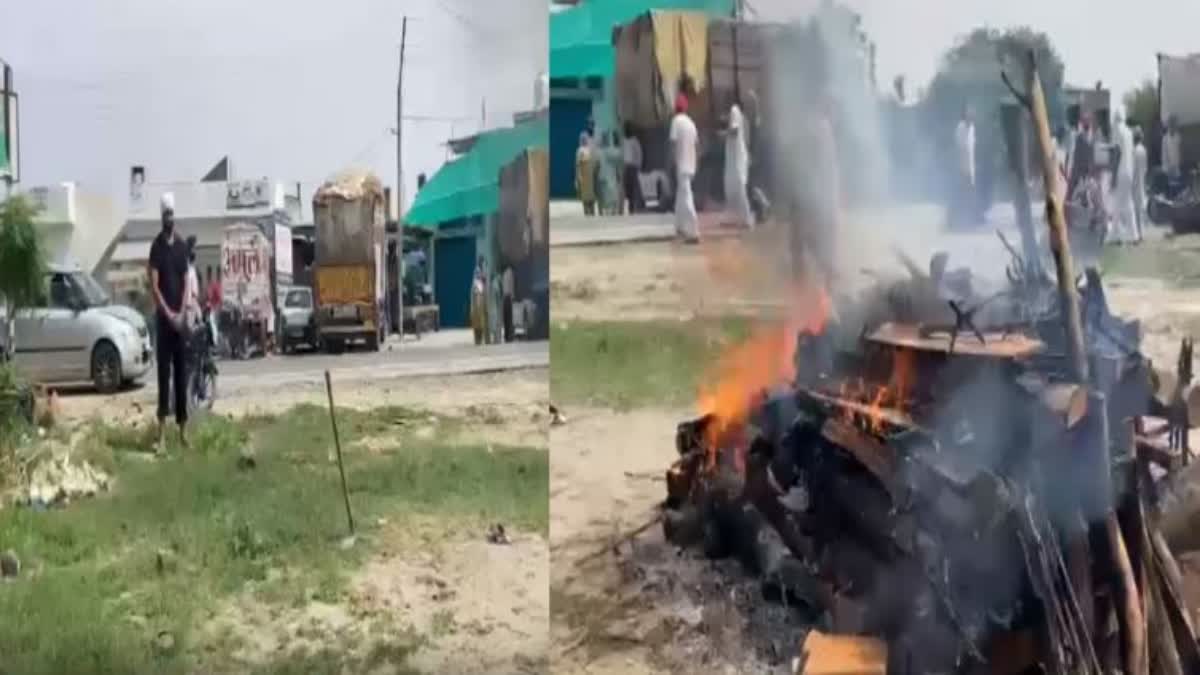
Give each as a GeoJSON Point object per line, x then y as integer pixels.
{"type": "Point", "coordinates": [557, 419]}
{"type": "Point", "coordinates": [165, 561]}
{"type": "Point", "coordinates": [10, 565]}
{"type": "Point", "coordinates": [246, 459]}
{"type": "Point", "coordinates": [164, 642]}
{"type": "Point", "coordinates": [59, 479]}
{"type": "Point", "coordinates": [497, 535]}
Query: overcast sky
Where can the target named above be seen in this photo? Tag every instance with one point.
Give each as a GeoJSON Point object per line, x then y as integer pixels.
{"type": "Point", "coordinates": [1114, 42]}
{"type": "Point", "coordinates": [297, 89]}
{"type": "Point", "coordinates": [293, 89]}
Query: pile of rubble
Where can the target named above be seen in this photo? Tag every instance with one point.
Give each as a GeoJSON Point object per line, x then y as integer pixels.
{"type": "Point", "coordinates": [950, 495]}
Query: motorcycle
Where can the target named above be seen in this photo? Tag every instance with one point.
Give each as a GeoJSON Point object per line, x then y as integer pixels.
{"type": "Point", "coordinates": [202, 371]}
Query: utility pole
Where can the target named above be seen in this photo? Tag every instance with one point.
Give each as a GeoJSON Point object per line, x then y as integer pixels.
{"type": "Point", "coordinates": [400, 180]}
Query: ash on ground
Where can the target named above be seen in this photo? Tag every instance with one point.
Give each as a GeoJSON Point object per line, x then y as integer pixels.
{"type": "Point", "coordinates": [720, 618]}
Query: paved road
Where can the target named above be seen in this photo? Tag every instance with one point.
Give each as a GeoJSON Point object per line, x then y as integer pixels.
{"type": "Point", "coordinates": [281, 371]}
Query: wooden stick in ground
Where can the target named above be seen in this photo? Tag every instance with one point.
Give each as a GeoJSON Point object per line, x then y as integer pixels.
{"type": "Point", "coordinates": [337, 443]}
{"type": "Point", "coordinates": [1055, 219]}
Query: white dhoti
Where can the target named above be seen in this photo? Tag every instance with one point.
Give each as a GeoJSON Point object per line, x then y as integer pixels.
{"type": "Point", "coordinates": [1139, 207]}
{"type": "Point", "coordinates": [687, 222]}
{"type": "Point", "coordinates": [737, 201]}
{"type": "Point", "coordinates": [1123, 230]}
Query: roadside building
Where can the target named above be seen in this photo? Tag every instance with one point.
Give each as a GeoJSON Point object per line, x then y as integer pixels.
{"type": "Point", "coordinates": [203, 209]}
{"type": "Point", "coordinates": [460, 205]}
{"type": "Point", "coordinates": [76, 226]}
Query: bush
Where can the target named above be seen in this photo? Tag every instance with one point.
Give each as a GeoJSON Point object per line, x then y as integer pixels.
{"type": "Point", "coordinates": [16, 404]}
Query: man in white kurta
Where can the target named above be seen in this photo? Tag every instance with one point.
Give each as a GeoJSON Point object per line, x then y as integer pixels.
{"type": "Point", "coordinates": [684, 141]}
{"type": "Point", "coordinates": [737, 169]}
{"type": "Point", "coordinates": [1124, 229]}
{"type": "Point", "coordinates": [1141, 165]}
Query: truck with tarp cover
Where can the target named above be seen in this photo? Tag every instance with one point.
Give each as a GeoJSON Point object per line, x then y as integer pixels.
{"type": "Point", "coordinates": [348, 281]}
{"type": "Point", "coordinates": [522, 241]}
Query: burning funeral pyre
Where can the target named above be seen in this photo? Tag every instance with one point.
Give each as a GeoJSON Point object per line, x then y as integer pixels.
{"type": "Point", "coordinates": [940, 491]}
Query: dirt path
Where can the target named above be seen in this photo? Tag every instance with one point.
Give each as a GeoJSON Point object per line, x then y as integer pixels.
{"type": "Point", "coordinates": [452, 605]}
{"type": "Point", "coordinates": [636, 605]}
{"type": "Point", "coordinates": [503, 408]}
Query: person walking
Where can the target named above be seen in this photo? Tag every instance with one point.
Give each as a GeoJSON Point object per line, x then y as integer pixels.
{"type": "Point", "coordinates": [168, 271]}
{"type": "Point", "coordinates": [1141, 165]}
{"type": "Point", "coordinates": [964, 144]}
{"type": "Point", "coordinates": [585, 175]}
{"type": "Point", "coordinates": [1125, 230]}
{"type": "Point", "coordinates": [684, 141]}
{"type": "Point", "coordinates": [737, 169]}
{"type": "Point", "coordinates": [631, 155]}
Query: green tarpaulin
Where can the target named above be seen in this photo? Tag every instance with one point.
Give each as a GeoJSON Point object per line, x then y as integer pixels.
{"type": "Point", "coordinates": [470, 185]}
{"type": "Point", "coordinates": [581, 37]}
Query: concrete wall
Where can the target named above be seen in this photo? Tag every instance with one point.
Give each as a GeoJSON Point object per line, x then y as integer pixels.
{"type": "Point", "coordinates": [77, 227]}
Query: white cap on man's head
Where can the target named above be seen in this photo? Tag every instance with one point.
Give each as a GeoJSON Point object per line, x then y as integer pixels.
{"type": "Point", "coordinates": [167, 202]}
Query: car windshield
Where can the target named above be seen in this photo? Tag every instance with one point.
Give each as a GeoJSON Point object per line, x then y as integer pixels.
{"type": "Point", "coordinates": [298, 299]}
{"type": "Point", "coordinates": [89, 290]}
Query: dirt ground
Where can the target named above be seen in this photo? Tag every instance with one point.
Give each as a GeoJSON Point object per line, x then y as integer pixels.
{"type": "Point", "coordinates": [634, 604]}
{"type": "Point", "coordinates": [635, 607]}
{"type": "Point", "coordinates": [463, 605]}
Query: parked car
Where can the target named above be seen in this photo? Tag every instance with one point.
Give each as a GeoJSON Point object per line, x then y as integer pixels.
{"type": "Point", "coordinates": [80, 335]}
{"type": "Point", "coordinates": [298, 321]}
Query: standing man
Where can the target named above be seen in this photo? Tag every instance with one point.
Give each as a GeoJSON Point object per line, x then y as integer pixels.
{"type": "Point", "coordinates": [1122, 182]}
{"type": "Point", "coordinates": [168, 271]}
{"type": "Point", "coordinates": [509, 288]}
{"type": "Point", "coordinates": [737, 169]}
{"type": "Point", "coordinates": [684, 140]}
{"type": "Point", "coordinates": [1141, 165]}
{"type": "Point", "coordinates": [1171, 148]}
{"type": "Point", "coordinates": [1082, 157]}
{"type": "Point", "coordinates": [631, 152]}
{"type": "Point", "coordinates": [964, 144]}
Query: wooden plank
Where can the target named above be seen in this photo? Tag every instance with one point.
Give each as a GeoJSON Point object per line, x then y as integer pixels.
{"type": "Point", "coordinates": [823, 654]}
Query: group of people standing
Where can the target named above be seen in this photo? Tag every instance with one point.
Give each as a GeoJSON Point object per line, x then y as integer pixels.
{"type": "Point", "coordinates": [1106, 175]}
{"type": "Point", "coordinates": [607, 172]}
{"type": "Point", "coordinates": [608, 177]}
{"type": "Point", "coordinates": [492, 305]}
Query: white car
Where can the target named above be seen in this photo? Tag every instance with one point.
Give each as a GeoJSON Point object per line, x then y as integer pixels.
{"type": "Point", "coordinates": [81, 336]}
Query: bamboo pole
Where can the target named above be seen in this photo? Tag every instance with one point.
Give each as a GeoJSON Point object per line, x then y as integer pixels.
{"type": "Point", "coordinates": [1056, 221]}
{"type": "Point", "coordinates": [337, 442]}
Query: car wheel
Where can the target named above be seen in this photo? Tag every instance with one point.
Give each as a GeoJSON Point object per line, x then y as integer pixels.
{"type": "Point", "coordinates": [106, 367]}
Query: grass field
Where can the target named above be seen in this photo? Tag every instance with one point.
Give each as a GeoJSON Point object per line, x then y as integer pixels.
{"type": "Point", "coordinates": [93, 597]}
{"type": "Point", "coordinates": [626, 364]}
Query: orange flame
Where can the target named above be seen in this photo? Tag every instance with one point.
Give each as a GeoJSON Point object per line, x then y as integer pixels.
{"type": "Point", "coordinates": [879, 400]}
{"type": "Point", "coordinates": [763, 361]}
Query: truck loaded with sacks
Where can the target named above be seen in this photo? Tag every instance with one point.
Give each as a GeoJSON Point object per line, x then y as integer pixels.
{"type": "Point", "coordinates": [348, 280]}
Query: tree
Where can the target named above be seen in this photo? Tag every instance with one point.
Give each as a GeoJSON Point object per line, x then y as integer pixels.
{"type": "Point", "coordinates": [1141, 104]}
{"type": "Point", "coordinates": [22, 260]}
{"type": "Point", "coordinates": [970, 74]}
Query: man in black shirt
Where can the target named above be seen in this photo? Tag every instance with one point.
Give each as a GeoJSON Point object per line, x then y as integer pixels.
{"type": "Point", "coordinates": [168, 270]}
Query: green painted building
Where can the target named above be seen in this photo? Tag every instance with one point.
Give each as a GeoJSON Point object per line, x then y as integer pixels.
{"type": "Point", "coordinates": [459, 206]}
